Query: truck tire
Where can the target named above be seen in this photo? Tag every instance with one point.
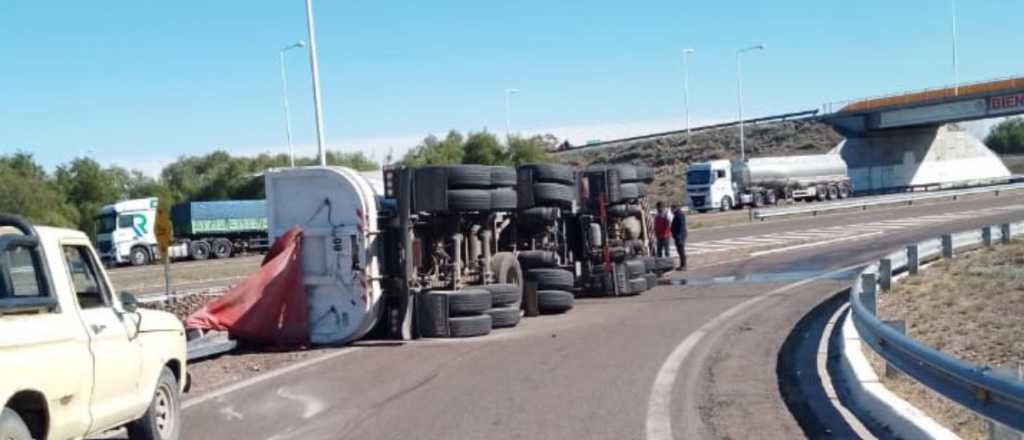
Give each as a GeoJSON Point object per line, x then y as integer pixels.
{"type": "Point", "coordinates": [461, 200]}
{"type": "Point", "coordinates": [844, 191]}
{"type": "Point", "coordinates": [551, 279]}
{"type": "Point", "coordinates": [162, 421]}
{"type": "Point", "coordinates": [636, 285]}
{"type": "Point", "coordinates": [222, 248]}
{"type": "Point", "coordinates": [467, 176]}
{"type": "Point", "coordinates": [551, 173]}
{"type": "Point", "coordinates": [537, 259]}
{"type": "Point", "coordinates": [503, 177]}
{"type": "Point", "coordinates": [503, 295]}
{"type": "Point", "coordinates": [822, 193]}
{"type": "Point", "coordinates": [506, 269]}
{"type": "Point", "coordinates": [200, 250]}
{"type": "Point", "coordinates": [12, 427]}
{"type": "Point", "coordinates": [625, 210]}
{"type": "Point", "coordinates": [665, 264]}
{"type": "Point", "coordinates": [630, 191]}
{"type": "Point", "coordinates": [635, 267]}
{"type": "Point", "coordinates": [554, 301]}
{"type": "Point", "coordinates": [650, 264]}
{"type": "Point", "coordinates": [469, 326]}
{"type": "Point", "coordinates": [726, 204]}
{"type": "Point", "coordinates": [644, 174]}
{"type": "Point", "coordinates": [652, 280]}
{"type": "Point", "coordinates": [833, 192]}
{"type": "Point", "coordinates": [541, 214]}
{"type": "Point", "coordinates": [503, 199]}
{"type": "Point", "coordinates": [772, 198]}
{"type": "Point", "coordinates": [466, 301]}
{"type": "Point", "coordinates": [139, 256]}
{"type": "Point", "coordinates": [504, 317]}
{"type": "Point", "coordinates": [554, 194]}
{"type": "Point", "coordinates": [627, 173]}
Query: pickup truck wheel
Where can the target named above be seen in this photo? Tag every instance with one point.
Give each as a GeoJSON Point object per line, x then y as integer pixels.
{"type": "Point", "coordinates": [138, 257]}
{"type": "Point", "coordinates": [12, 427]}
{"type": "Point", "coordinates": [162, 421]}
{"type": "Point", "coordinates": [200, 250]}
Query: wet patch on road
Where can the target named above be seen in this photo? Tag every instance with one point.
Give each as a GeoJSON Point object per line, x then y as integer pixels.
{"type": "Point", "coordinates": [752, 278]}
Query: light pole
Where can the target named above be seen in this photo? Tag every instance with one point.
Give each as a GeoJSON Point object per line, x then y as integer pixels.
{"type": "Point", "coordinates": [956, 65]}
{"type": "Point", "coordinates": [314, 68]}
{"type": "Point", "coordinates": [284, 89]}
{"type": "Point", "coordinates": [508, 113]}
{"type": "Point", "coordinates": [686, 88]}
{"type": "Point", "coordinates": [739, 93]}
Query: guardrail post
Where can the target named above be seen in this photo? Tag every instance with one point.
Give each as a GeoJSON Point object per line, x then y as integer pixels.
{"type": "Point", "coordinates": [1000, 432]}
{"type": "Point", "coordinates": [901, 326]}
{"type": "Point", "coordinates": [885, 274]}
{"type": "Point", "coordinates": [986, 235]}
{"type": "Point", "coordinates": [1005, 229]}
{"type": "Point", "coordinates": [913, 259]}
{"type": "Point", "coordinates": [869, 292]}
{"type": "Point", "coordinates": [947, 246]}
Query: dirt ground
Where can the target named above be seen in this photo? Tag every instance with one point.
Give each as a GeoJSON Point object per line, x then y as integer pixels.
{"type": "Point", "coordinates": [185, 275]}
{"type": "Point", "coordinates": [969, 307]}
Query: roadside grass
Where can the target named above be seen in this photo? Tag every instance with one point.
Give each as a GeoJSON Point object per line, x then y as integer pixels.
{"type": "Point", "coordinates": [1015, 162]}
{"type": "Point", "coordinates": [969, 307]}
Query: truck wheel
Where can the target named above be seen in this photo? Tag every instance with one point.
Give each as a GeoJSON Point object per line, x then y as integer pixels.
{"type": "Point", "coordinates": [550, 173]}
{"type": "Point", "coordinates": [12, 427]}
{"type": "Point", "coordinates": [644, 174]}
{"type": "Point", "coordinates": [139, 256]}
{"type": "Point", "coordinates": [502, 317]}
{"type": "Point", "coordinates": [200, 250]}
{"type": "Point", "coordinates": [554, 194]}
{"type": "Point", "coordinates": [833, 192]}
{"type": "Point", "coordinates": [551, 279]}
{"type": "Point", "coordinates": [222, 248]}
{"type": "Point", "coordinates": [726, 204]}
{"type": "Point", "coordinates": [844, 191]}
{"type": "Point", "coordinates": [469, 326]}
{"type": "Point", "coordinates": [637, 285]}
{"type": "Point", "coordinates": [162, 421]}
{"type": "Point", "coordinates": [772, 198]}
{"type": "Point", "coordinates": [466, 301]}
{"type": "Point", "coordinates": [627, 173]}
{"type": "Point", "coordinates": [503, 177]}
{"type": "Point", "coordinates": [635, 267]}
{"type": "Point", "coordinates": [822, 193]}
{"type": "Point", "coordinates": [652, 280]}
{"type": "Point", "coordinates": [503, 295]}
{"type": "Point", "coordinates": [630, 191]}
{"type": "Point", "coordinates": [469, 200]}
{"type": "Point", "coordinates": [537, 259]}
{"type": "Point", "coordinates": [554, 301]}
{"type": "Point", "coordinates": [504, 199]}
{"type": "Point", "coordinates": [759, 200]}
{"type": "Point", "coordinates": [506, 269]}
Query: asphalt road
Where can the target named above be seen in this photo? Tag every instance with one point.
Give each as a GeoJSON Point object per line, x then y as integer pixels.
{"type": "Point", "coordinates": [681, 361]}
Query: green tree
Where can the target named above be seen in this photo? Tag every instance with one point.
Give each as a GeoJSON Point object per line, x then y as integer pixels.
{"type": "Point", "coordinates": [530, 150]}
{"type": "Point", "coordinates": [433, 151]}
{"type": "Point", "coordinates": [88, 186]}
{"type": "Point", "coordinates": [29, 193]}
{"type": "Point", "coordinates": [1007, 137]}
{"type": "Point", "coordinates": [483, 148]}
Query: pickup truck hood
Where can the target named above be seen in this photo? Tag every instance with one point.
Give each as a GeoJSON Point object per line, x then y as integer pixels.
{"type": "Point", "coordinates": [156, 321]}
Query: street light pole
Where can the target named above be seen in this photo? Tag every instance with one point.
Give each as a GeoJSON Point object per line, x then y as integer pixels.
{"type": "Point", "coordinates": [287, 112]}
{"type": "Point", "coordinates": [508, 113]}
{"type": "Point", "coordinates": [739, 93]}
{"type": "Point", "coordinates": [956, 65]}
{"type": "Point", "coordinates": [686, 88]}
{"type": "Point", "coordinates": [314, 67]}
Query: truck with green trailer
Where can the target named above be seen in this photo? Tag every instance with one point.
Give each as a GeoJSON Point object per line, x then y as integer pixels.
{"type": "Point", "coordinates": [202, 230]}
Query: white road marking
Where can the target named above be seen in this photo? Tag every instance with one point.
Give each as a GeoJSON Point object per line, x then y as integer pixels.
{"type": "Point", "coordinates": [659, 406]}
{"type": "Point", "coordinates": [230, 414]}
{"type": "Point", "coordinates": [813, 244]}
{"type": "Point", "coordinates": [265, 377]}
{"type": "Point", "coordinates": [311, 405]}
{"type": "Point", "coordinates": [821, 362]}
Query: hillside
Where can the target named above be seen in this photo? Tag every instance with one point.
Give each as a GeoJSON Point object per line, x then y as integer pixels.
{"type": "Point", "coordinates": [669, 155]}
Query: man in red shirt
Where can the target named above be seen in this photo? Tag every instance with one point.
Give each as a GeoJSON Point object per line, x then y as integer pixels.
{"type": "Point", "coordinates": [662, 230]}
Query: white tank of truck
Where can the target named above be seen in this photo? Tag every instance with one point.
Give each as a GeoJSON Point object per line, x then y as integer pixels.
{"type": "Point", "coordinates": [724, 185]}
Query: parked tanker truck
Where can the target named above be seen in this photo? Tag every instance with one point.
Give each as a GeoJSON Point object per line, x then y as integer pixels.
{"type": "Point", "coordinates": [724, 185]}
{"type": "Point", "coordinates": [202, 230]}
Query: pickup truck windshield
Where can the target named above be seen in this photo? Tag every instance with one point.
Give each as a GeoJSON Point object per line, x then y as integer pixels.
{"type": "Point", "coordinates": [106, 223]}
{"type": "Point", "coordinates": [698, 177]}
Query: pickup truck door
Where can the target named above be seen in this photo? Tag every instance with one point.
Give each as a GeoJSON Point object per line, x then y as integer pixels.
{"type": "Point", "coordinates": [116, 351]}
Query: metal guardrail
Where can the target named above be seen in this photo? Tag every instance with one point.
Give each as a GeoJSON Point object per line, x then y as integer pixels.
{"type": "Point", "coordinates": [867, 201]}
{"type": "Point", "coordinates": [992, 395]}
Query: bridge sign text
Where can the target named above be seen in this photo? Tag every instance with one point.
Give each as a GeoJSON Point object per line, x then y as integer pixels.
{"type": "Point", "coordinates": [1006, 103]}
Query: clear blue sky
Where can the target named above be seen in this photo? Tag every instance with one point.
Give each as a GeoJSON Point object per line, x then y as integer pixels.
{"type": "Point", "coordinates": [139, 83]}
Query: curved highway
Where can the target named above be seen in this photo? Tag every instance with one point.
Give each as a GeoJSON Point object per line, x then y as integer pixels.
{"type": "Point", "coordinates": [693, 359]}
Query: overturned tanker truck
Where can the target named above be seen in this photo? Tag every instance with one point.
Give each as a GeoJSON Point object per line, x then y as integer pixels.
{"type": "Point", "coordinates": [447, 251]}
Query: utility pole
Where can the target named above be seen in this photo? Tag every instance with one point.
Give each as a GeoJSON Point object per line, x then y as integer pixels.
{"type": "Point", "coordinates": [739, 93]}
{"type": "Point", "coordinates": [686, 88]}
{"type": "Point", "coordinates": [287, 111]}
{"type": "Point", "coordinates": [314, 67]}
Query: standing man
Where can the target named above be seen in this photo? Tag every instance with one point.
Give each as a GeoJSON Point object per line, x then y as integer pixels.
{"type": "Point", "coordinates": [662, 229]}
{"type": "Point", "coordinates": [679, 233]}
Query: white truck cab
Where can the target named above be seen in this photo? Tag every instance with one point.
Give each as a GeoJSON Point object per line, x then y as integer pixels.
{"type": "Point", "coordinates": [77, 359]}
{"type": "Point", "coordinates": [125, 232]}
{"type": "Point", "coordinates": [709, 185]}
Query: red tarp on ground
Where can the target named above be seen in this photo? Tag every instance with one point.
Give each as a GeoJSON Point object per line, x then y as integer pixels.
{"type": "Point", "coordinates": [270, 306]}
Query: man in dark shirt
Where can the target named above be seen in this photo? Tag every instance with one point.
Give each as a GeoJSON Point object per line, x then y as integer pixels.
{"type": "Point", "coordinates": [679, 234]}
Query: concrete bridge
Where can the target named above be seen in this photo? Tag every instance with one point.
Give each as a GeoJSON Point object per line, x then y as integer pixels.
{"type": "Point", "coordinates": [912, 139]}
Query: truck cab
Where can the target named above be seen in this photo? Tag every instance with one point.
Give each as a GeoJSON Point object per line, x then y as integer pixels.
{"type": "Point", "coordinates": [124, 232]}
{"type": "Point", "coordinates": [77, 359]}
{"type": "Point", "coordinates": [709, 185]}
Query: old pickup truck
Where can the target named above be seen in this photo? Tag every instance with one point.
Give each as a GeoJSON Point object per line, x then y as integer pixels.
{"type": "Point", "coordinates": [76, 359]}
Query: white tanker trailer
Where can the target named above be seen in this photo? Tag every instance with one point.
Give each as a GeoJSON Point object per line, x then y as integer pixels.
{"type": "Point", "coordinates": [724, 185]}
